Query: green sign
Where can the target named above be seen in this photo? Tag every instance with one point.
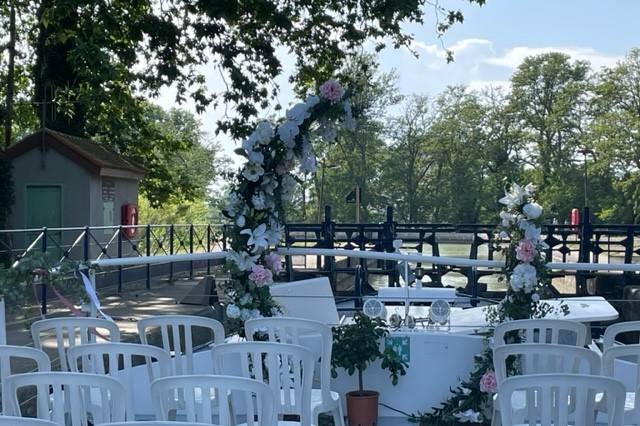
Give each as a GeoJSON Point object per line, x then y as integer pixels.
{"type": "Point", "coordinates": [401, 345]}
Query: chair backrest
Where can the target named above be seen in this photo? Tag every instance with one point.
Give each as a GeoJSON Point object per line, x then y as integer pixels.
{"type": "Point", "coordinates": [117, 360]}
{"type": "Point", "coordinates": [24, 421]}
{"type": "Point", "coordinates": [287, 369]}
{"type": "Point", "coordinates": [614, 330]}
{"type": "Point", "coordinates": [560, 399]}
{"type": "Point", "coordinates": [258, 398]}
{"type": "Point", "coordinates": [176, 332]}
{"type": "Point", "coordinates": [154, 423]}
{"type": "Point", "coordinates": [630, 353]}
{"type": "Point", "coordinates": [72, 331]}
{"type": "Point", "coordinates": [534, 358]}
{"type": "Point", "coordinates": [554, 331]}
{"type": "Point", "coordinates": [66, 398]}
{"type": "Point", "coordinates": [297, 331]}
{"type": "Point", "coordinates": [9, 353]}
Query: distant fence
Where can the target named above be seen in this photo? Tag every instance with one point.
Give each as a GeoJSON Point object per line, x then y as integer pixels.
{"type": "Point", "coordinates": [585, 243]}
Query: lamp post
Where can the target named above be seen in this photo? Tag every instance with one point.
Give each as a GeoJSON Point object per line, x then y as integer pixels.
{"type": "Point", "coordinates": [586, 152]}
{"type": "Point", "coordinates": [323, 166]}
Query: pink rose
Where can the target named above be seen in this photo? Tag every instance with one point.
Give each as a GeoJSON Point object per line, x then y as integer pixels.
{"type": "Point", "coordinates": [331, 91]}
{"type": "Point", "coordinates": [526, 251]}
{"type": "Point", "coordinates": [274, 262]}
{"type": "Point", "coordinates": [488, 383]}
{"type": "Point", "coordinates": [260, 275]}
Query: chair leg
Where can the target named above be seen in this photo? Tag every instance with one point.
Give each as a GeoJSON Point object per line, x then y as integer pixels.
{"type": "Point", "coordinates": [338, 416]}
{"type": "Point", "coordinates": [495, 417]}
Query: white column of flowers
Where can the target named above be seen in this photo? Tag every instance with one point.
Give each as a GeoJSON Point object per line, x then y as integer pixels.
{"type": "Point", "coordinates": [265, 183]}
{"type": "Point", "coordinates": [528, 284]}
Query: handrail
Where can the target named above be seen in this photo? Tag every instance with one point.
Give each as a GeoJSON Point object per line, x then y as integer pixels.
{"type": "Point", "coordinates": [149, 260]}
{"type": "Point", "coordinates": [451, 261]}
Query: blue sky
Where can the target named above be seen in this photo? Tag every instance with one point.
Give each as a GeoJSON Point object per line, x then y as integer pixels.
{"type": "Point", "coordinates": [488, 46]}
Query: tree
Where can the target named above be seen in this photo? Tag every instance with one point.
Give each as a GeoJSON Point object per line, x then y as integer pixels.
{"type": "Point", "coordinates": [411, 156]}
{"type": "Point", "coordinates": [549, 97]}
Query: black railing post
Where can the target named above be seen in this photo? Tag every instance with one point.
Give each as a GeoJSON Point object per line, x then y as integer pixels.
{"type": "Point", "coordinates": [387, 244]}
{"type": "Point", "coordinates": [191, 250]}
{"type": "Point", "coordinates": [85, 243]}
{"type": "Point", "coordinates": [208, 248]}
{"type": "Point", "coordinates": [43, 288]}
{"type": "Point", "coordinates": [359, 287]}
{"type": "Point", "coordinates": [171, 232]}
{"type": "Point", "coordinates": [148, 253]}
{"type": "Point", "coordinates": [584, 256]}
{"type": "Point", "coordinates": [473, 276]}
{"type": "Point", "coordinates": [119, 257]}
{"type": "Point", "coordinates": [328, 231]}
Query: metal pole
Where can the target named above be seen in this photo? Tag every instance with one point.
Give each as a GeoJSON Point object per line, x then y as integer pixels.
{"type": "Point", "coordinates": [209, 248]}
{"type": "Point", "coordinates": [171, 231]}
{"type": "Point", "coordinates": [357, 203]}
{"type": "Point", "coordinates": [148, 252]}
{"type": "Point", "coordinates": [191, 250]}
{"type": "Point", "coordinates": [43, 286]}
{"type": "Point", "coordinates": [120, 256]}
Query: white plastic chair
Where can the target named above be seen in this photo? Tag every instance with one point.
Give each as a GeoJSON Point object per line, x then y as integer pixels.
{"type": "Point", "coordinates": [287, 369]}
{"type": "Point", "coordinates": [612, 331]}
{"type": "Point", "coordinates": [9, 353]}
{"type": "Point", "coordinates": [554, 331]}
{"type": "Point", "coordinates": [177, 336]}
{"type": "Point", "coordinates": [66, 404]}
{"type": "Point", "coordinates": [24, 421]}
{"type": "Point", "coordinates": [315, 336]}
{"type": "Point", "coordinates": [560, 400]}
{"type": "Point", "coordinates": [536, 358]}
{"type": "Point", "coordinates": [629, 354]}
{"type": "Point", "coordinates": [258, 398]}
{"type": "Point", "coordinates": [72, 331]}
{"type": "Point", "coordinates": [153, 423]}
{"type": "Point", "coordinates": [119, 359]}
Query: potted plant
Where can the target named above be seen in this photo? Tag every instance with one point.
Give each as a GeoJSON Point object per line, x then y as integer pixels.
{"type": "Point", "coordinates": [355, 347]}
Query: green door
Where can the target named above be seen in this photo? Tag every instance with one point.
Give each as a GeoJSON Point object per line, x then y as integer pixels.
{"type": "Point", "coordinates": [44, 208]}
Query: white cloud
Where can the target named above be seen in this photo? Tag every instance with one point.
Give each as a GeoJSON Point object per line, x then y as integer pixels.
{"type": "Point", "coordinates": [513, 57]}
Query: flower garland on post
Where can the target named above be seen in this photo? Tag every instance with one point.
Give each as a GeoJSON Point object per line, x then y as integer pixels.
{"type": "Point", "coordinates": [262, 187]}
{"type": "Point", "coordinates": [528, 283]}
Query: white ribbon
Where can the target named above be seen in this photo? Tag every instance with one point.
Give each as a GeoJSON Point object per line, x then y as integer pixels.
{"type": "Point", "coordinates": [93, 296]}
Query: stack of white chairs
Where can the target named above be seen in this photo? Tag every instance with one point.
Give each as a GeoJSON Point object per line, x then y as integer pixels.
{"type": "Point", "coordinates": [558, 381]}
{"type": "Point", "coordinates": [258, 383]}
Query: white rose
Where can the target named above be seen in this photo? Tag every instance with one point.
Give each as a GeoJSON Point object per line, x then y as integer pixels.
{"type": "Point", "coordinates": [263, 132]}
{"type": "Point", "coordinates": [298, 113]}
{"type": "Point", "coordinates": [524, 277]}
{"type": "Point", "coordinates": [233, 311]}
{"type": "Point", "coordinates": [532, 210]}
{"type": "Point", "coordinates": [311, 101]}
{"type": "Point", "coordinates": [288, 132]}
{"type": "Point", "coordinates": [240, 221]}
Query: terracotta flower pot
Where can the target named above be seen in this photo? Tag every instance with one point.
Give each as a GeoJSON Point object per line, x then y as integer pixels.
{"type": "Point", "coordinates": [362, 408]}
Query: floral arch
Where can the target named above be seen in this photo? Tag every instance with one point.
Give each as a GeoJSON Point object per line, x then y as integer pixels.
{"type": "Point", "coordinates": [261, 189]}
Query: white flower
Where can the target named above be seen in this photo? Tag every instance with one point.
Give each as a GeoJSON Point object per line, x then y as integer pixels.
{"type": "Point", "coordinates": [263, 133]}
{"type": "Point", "coordinates": [531, 231]}
{"type": "Point", "coordinates": [246, 299]}
{"type": "Point", "coordinates": [243, 260]}
{"type": "Point", "coordinates": [288, 132]}
{"type": "Point", "coordinates": [257, 237]}
{"type": "Point", "coordinates": [255, 157]}
{"type": "Point", "coordinates": [532, 210]}
{"type": "Point", "coordinates": [245, 314]}
{"type": "Point", "coordinates": [240, 221]}
{"type": "Point", "coordinates": [311, 101]}
{"type": "Point", "coordinates": [524, 277]}
{"type": "Point", "coordinates": [503, 235]}
{"type": "Point", "coordinates": [274, 233]}
{"type": "Point", "coordinates": [349, 121]}
{"type": "Point", "coordinates": [308, 160]}
{"type": "Point", "coordinates": [530, 188]}
{"type": "Point", "coordinates": [507, 218]}
{"type": "Point", "coordinates": [328, 131]}
{"type": "Point", "coordinates": [258, 201]}
{"type": "Point", "coordinates": [255, 314]}
{"type": "Point", "coordinates": [298, 113]}
{"type": "Point", "coordinates": [234, 203]}
{"type": "Point", "coordinates": [535, 297]}
{"type": "Point", "coordinates": [249, 143]}
{"type": "Point", "coordinates": [468, 416]}
{"type": "Point", "coordinates": [288, 186]}
{"type": "Point", "coordinates": [514, 197]}
{"type": "Point", "coordinates": [253, 172]}
{"type": "Point", "coordinates": [233, 311]}
{"type": "Point", "coordinates": [269, 184]}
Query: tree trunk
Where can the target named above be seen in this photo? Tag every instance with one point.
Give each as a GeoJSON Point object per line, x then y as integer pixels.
{"type": "Point", "coordinates": [11, 47]}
